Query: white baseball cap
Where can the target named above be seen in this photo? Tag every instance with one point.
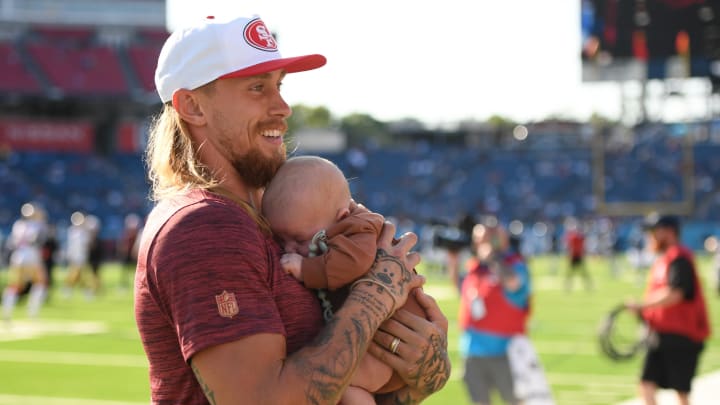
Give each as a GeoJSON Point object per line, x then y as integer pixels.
{"type": "Point", "coordinates": [214, 49]}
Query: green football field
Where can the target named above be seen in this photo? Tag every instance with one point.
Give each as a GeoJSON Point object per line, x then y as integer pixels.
{"type": "Point", "coordinates": [87, 352]}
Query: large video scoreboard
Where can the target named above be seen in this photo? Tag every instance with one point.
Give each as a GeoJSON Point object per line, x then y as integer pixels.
{"type": "Point", "coordinates": [650, 39]}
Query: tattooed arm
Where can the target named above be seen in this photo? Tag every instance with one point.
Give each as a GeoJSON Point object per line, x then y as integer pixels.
{"type": "Point", "coordinates": [256, 369]}
{"type": "Point", "coordinates": [422, 358]}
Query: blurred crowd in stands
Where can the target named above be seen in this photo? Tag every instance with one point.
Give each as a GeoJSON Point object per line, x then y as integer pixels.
{"type": "Point", "coordinates": [533, 185]}
{"type": "Point", "coordinates": [77, 100]}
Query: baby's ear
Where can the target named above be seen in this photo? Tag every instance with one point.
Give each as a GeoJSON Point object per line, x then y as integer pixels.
{"type": "Point", "coordinates": [342, 213]}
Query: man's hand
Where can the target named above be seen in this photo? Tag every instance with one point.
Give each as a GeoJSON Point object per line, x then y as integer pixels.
{"type": "Point", "coordinates": [633, 306]}
{"type": "Point", "coordinates": [421, 359]}
{"type": "Point", "coordinates": [392, 270]}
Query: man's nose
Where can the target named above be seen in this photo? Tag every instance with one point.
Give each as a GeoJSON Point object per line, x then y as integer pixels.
{"type": "Point", "coordinates": [280, 107]}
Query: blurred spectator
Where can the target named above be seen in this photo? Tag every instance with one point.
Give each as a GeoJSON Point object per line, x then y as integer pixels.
{"type": "Point", "coordinates": [49, 250]}
{"type": "Point", "coordinates": [127, 248]}
{"type": "Point", "coordinates": [2, 249]}
{"type": "Point", "coordinates": [555, 251]}
{"type": "Point", "coordinates": [494, 307]}
{"type": "Point", "coordinates": [575, 244]}
{"type": "Point", "coordinates": [96, 255]}
{"type": "Point", "coordinates": [716, 263]}
{"type": "Point", "coordinates": [25, 240]}
{"type": "Point", "coordinates": [80, 235]}
{"type": "Point", "coordinates": [675, 310]}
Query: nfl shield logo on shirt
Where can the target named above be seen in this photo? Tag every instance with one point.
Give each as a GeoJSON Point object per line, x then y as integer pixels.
{"type": "Point", "coordinates": [227, 304]}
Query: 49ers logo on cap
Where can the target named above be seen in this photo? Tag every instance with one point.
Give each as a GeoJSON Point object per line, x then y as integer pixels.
{"type": "Point", "coordinates": [227, 304]}
{"type": "Point", "coordinates": [258, 36]}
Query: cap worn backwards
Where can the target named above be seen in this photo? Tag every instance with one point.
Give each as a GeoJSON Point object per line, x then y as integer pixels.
{"type": "Point", "coordinates": [655, 221]}
{"type": "Point", "coordinates": [215, 49]}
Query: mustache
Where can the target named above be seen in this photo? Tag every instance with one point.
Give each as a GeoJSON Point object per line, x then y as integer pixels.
{"type": "Point", "coordinates": [274, 124]}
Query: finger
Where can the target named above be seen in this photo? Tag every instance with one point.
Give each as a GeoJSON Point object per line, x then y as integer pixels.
{"type": "Point", "coordinates": [404, 324]}
{"type": "Point", "coordinates": [386, 340]}
{"type": "Point", "coordinates": [409, 350]}
{"type": "Point", "coordinates": [383, 338]}
{"type": "Point", "coordinates": [431, 308]}
{"type": "Point", "coordinates": [406, 242]}
{"type": "Point", "coordinates": [384, 355]}
{"type": "Point", "coordinates": [393, 328]}
{"type": "Point", "coordinates": [386, 235]}
{"type": "Point", "coordinates": [413, 259]}
{"type": "Point", "coordinates": [417, 281]}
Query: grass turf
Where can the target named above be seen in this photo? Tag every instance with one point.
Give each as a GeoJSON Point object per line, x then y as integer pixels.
{"type": "Point", "coordinates": [88, 352]}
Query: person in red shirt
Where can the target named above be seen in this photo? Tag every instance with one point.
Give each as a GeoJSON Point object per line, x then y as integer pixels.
{"type": "Point", "coordinates": [675, 311]}
{"type": "Point", "coordinates": [575, 243]}
{"type": "Point", "coordinates": [219, 319]}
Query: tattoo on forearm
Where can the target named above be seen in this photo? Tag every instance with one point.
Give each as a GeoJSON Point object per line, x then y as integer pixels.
{"type": "Point", "coordinates": [433, 366]}
{"type": "Point", "coordinates": [329, 379]}
{"type": "Point", "coordinates": [347, 341]}
{"type": "Point", "coordinates": [372, 306]}
{"type": "Point", "coordinates": [209, 393]}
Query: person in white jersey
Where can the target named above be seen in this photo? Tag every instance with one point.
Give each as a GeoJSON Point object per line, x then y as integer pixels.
{"type": "Point", "coordinates": [26, 264]}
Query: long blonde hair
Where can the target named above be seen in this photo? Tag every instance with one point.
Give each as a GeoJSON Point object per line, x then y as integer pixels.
{"type": "Point", "coordinates": [174, 167]}
{"type": "Point", "coordinates": [173, 164]}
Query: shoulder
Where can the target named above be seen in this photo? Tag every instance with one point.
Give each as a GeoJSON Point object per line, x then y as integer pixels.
{"type": "Point", "coordinates": [203, 208]}
{"type": "Point", "coordinates": [681, 264]}
{"type": "Point", "coordinates": [204, 238]}
{"type": "Point", "coordinates": [202, 218]}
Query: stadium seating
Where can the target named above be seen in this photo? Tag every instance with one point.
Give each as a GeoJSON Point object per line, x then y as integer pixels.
{"type": "Point", "coordinates": [15, 78]}
{"type": "Point", "coordinates": [547, 177]}
{"type": "Point", "coordinates": [92, 70]}
{"type": "Point", "coordinates": [143, 57]}
{"type": "Point", "coordinates": [72, 62]}
{"type": "Point", "coordinates": [435, 184]}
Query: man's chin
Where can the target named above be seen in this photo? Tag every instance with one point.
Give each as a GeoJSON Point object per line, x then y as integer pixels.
{"type": "Point", "coordinates": [257, 172]}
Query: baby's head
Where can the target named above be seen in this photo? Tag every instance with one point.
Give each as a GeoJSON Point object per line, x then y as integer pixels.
{"type": "Point", "coordinates": [307, 195]}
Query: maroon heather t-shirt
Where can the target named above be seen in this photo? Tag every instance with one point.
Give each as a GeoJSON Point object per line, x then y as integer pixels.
{"type": "Point", "coordinates": [207, 275]}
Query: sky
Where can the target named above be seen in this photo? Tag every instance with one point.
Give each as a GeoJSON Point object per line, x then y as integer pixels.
{"type": "Point", "coordinates": [440, 62]}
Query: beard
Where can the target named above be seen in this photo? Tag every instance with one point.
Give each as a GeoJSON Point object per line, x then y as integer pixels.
{"type": "Point", "coordinates": [256, 169]}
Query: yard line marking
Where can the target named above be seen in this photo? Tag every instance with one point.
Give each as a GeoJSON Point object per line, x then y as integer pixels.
{"type": "Point", "coordinates": [6, 399]}
{"type": "Point", "coordinates": [73, 358]}
{"type": "Point", "coordinates": [23, 329]}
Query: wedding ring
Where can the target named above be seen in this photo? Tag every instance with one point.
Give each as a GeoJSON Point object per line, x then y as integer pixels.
{"type": "Point", "coordinates": [394, 345]}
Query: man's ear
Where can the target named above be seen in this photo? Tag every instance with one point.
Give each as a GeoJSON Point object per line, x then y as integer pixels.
{"type": "Point", "coordinates": [187, 105]}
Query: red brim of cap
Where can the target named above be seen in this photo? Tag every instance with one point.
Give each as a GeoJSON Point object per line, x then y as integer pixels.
{"type": "Point", "coordinates": [289, 65]}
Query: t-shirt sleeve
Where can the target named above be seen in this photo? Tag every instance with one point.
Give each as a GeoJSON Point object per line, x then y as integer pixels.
{"type": "Point", "coordinates": [212, 277]}
{"type": "Point", "coordinates": [681, 276]}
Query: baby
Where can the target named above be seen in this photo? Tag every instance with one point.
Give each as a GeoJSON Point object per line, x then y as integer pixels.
{"type": "Point", "coordinates": [329, 242]}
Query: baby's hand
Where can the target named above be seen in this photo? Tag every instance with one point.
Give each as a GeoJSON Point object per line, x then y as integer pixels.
{"type": "Point", "coordinates": [292, 263]}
